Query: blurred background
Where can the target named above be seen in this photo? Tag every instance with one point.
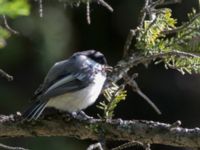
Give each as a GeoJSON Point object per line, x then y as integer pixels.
{"type": "Point", "coordinates": [64, 30]}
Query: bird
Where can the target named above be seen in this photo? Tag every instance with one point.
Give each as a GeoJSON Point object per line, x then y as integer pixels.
{"type": "Point", "coordinates": [70, 85]}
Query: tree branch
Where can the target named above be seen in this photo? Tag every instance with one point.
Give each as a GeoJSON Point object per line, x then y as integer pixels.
{"type": "Point", "coordinates": [123, 130]}
{"type": "Point", "coordinates": [124, 65]}
{"type": "Point", "coordinates": [6, 75]}
{"type": "Point", "coordinates": [11, 147]}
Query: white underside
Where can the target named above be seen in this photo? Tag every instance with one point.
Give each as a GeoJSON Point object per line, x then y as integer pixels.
{"type": "Point", "coordinates": [75, 101]}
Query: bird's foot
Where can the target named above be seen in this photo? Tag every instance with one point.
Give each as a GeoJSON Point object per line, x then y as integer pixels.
{"type": "Point", "coordinates": [81, 115]}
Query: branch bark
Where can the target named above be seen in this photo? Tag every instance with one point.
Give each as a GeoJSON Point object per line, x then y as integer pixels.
{"type": "Point", "coordinates": [135, 130]}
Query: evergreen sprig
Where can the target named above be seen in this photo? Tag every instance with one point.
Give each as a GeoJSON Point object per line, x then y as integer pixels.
{"type": "Point", "coordinates": [153, 39]}
{"type": "Point", "coordinates": [189, 36]}
{"type": "Point", "coordinates": [113, 94]}
{"type": "Point", "coordinates": [151, 35]}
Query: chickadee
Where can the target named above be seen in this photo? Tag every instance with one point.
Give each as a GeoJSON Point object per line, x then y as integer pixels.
{"type": "Point", "coordinates": [71, 85]}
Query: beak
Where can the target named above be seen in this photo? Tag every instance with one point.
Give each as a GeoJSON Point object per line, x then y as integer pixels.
{"type": "Point", "coordinates": [108, 68]}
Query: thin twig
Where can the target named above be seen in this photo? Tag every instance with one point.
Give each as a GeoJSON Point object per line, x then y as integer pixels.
{"type": "Point", "coordinates": [40, 2]}
{"type": "Point", "coordinates": [8, 27]}
{"type": "Point", "coordinates": [88, 12]}
{"type": "Point", "coordinates": [11, 147]}
{"type": "Point", "coordinates": [148, 100]}
{"type": "Point", "coordinates": [128, 145]}
{"type": "Point", "coordinates": [168, 2]}
{"type": "Point", "coordinates": [105, 4]}
{"type": "Point", "coordinates": [143, 13]}
{"type": "Point", "coordinates": [147, 146]}
{"type": "Point", "coordinates": [133, 32]}
{"type": "Point", "coordinates": [128, 42]}
{"type": "Point", "coordinates": [6, 75]}
{"type": "Point", "coordinates": [95, 146]}
{"type": "Point", "coordinates": [183, 26]}
{"type": "Point", "coordinates": [131, 82]}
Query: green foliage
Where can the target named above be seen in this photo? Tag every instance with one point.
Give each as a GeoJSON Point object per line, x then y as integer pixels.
{"type": "Point", "coordinates": [153, 40]}
{"type": "Point", "coordinates": [150, 35]}
{"type": "Point", "coordinates": [190, 34]}
{"type": "Point", "coordinates": [4, 34]}
{"type": "Point", "coordinates": [113, 95]}
{"type": "Point", "coordinates": [11, 8]}
{"type": "Point", "coordinates": [183, 64]}
{"type": "Point", "coordinates": [14, 8]}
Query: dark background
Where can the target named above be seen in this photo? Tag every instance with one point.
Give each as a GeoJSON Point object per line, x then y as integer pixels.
{"type": "Point", "coordinates": [63, 31]}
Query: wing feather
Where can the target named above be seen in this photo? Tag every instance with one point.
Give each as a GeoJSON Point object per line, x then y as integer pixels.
{"type": "Point", "coordinates": [57, 71]}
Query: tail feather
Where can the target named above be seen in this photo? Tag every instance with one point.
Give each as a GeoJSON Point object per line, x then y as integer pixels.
{"type": "Point", "coordinates": [39, 111]}
{"type": "Point", "coordinates": [34, 111]}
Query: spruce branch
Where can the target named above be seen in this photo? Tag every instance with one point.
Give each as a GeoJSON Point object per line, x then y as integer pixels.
{"type": "Point", "coordinates": [114, 94]}
{"type": "Point", "coordinates": [126, 64]}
